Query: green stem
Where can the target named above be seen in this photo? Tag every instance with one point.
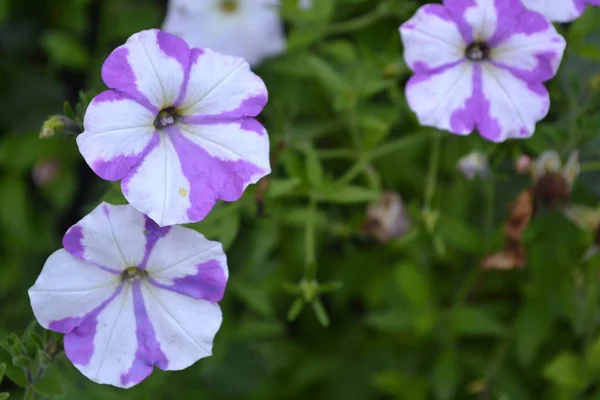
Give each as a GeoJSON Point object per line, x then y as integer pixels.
{"type": "Point", "coordinates": [488, 218]}
{"type": "Point", "coordinates": [356, 23]}
{"type": "Point", "coordinates": [590, 167]}
{"type": "Point", "coordinates": [29, 393]}
{"type": "Point", "coordinates": [309, 234]}
{"type": "Point", "coordinates": [400, 143]}
{"type": "Point", "coordinates": [336, 153]}
{"type": "Point", "coordinates": [432, 175]}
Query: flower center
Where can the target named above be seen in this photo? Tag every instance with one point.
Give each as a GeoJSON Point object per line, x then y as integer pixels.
{"type": "Point", "coordinates": [133, 273]}
{"type": "Point", "coordinates": [167, 116]}
{"type": "Point", "coordinates": [477, 51]}
{"type": "Point", "coordinates": [229, 6]}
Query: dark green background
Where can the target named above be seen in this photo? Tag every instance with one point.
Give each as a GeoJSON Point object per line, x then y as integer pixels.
{"type": "Point", "coordinates": [415, 318]}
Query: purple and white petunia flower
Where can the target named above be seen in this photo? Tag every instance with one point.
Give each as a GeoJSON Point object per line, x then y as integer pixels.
{"type": "Point", "coordinates": [480, 64]}
{"type": "Point", "coordinates": [176, 127]}
{"type": "Point", "coordinates": [560, 10]}
{"type": "Point", "coordinates": [130, 295]}
{"type": "Point", "coordinates": [251, 29]}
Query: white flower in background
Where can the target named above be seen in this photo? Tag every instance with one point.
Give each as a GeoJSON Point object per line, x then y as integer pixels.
{"type": "Point", "coordinates": [560, 10]}
{"type": "Point", "coordinates": [474, 164]}
{"type": "Point", "coordinates": [251, 29]}
{"type": "Point", "coordinates": [129, 295]}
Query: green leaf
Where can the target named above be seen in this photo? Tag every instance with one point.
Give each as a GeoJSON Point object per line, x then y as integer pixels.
{"type": "Point", "coordinates": [533, 327]}
{"type": "Point", "coordinates": [65, 50]}
{"type": "Point", "coordinates": [566, 370]}
{"type": "Point", "coordinates": [348, 194]}
{"type": "Point", "coordinates": [320, 312]}
{"type": "Point", "coordinates": [50, 385]}
{"type": "Point", "coordinates": [413, 285]}
{"type": "Point", "coordinates": [327, 75]}
{"type": "Point", "coordinates": [455, 232]}
{"type": "Point", "coordinates": [314, 169]}
{"type": "Point", "coordinates": [2, 371]}
{"type": "Point", "coordinates": [295, 309]}
{"type": "Point", "coordinates": [281, 187]}
{"type": "Point", "coordinates": [471, 321]}
{"type": "Point", "coordinates": [445, 377]}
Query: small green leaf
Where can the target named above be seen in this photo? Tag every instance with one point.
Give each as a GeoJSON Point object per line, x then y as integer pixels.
{"type": "Point", "coordinates": [566, 370]}
{"type": "Point", "coordinates": [281, 187]}
{"type": "Point", "coordinates": [470, 321]}
{"type": "Point", "coordinates": [4, 396]}
{"type": "Point", "coordinates": [50, 385]}
{"type": "Point", "coordinates": [2, 371]}
{"type": "Point", "coordinates": [295, 309]}
{"type": "Point", "coordinates": [21, 361]}
{"type": "Point", "coordinates": [413, 285]}
{"type": "Point", "coordinates": [348, 194]}
{"type": "Point", "coordinates": [320, 312]}
{"type": "Point", "coordinates": [445, 377]}
{"type": "Point", "coordinates": [327, 75]}
{"type": "Point", "coordinates": [314, 169]}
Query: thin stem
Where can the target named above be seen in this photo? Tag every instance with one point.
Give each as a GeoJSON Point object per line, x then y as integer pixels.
{"type": "Point", "coordinates": [357, 23]}
{"type": "Point", "coordinates": [309, 236]}
{"type": "Point", "coordinates": [400, 143]}
{"type": "Point", "coordinates": [590, 167]}
{"type": "Point", "coordinates": [432, 175]}
{"type": "Point", "coordinates": [488, 217]}
{"type": "Point", "coordinates": [336, 153]}
{"type": "Point", "coordinates": [29, 393]}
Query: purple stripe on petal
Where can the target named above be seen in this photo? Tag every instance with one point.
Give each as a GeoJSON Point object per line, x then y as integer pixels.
{"type": "Point", "coordinates": [118, 74]}
{"type": "Point", "coordinates": [210, 178]}
{"type": "Point", "coordinates": [247, 124]}
{"type": "Point", "coordinates": [117, 168]}
{"type": "Point", "coordinates": [476, 112]}
{"type": "Point", "coordinates": [195, 53]}
{"type": "Point", "coordinates": [148, 351]}
{"type": "Point", "coordinates": [207, 283]}
{"type": "Point", "coordinates": [422, 69]}
{"type": "Point", "coordinates": [513, 18]}
{"type": "Point", "coordinates": [176, 48]}
{"type": "Point", "coordinates": [81, 331]}
{"type": "Point", "coordinates": [153, 234]}
{"type": "Point", "coordinates": [542, 72]}
{"type": "Point", "coordinates": [73, 243]}
{"type": "Point", "coordinates": [457, 9]}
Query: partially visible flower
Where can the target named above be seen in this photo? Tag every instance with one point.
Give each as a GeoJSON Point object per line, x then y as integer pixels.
{"type": "Point", "coordinates": [474, 164]}
{"type": "Point", "coordinates": [129, 295]}
{"type": "Point", "coordinates": [553, 182]}
{"type": "Point", "coordinates": [57, 125]}
{"type": "Point", "coordinates": [45, 171]}
{"type": "Point", "coordinates": [523, 164]}
{"type": "Point", "coordinates": [386, 218]}
{"type": "Point", "coordinates": [176, 127]}
{"type": "Point", "coordinates": [560, 10]}
{"type": "Point", "coordinates": [480, 64]}
{"type": "Point", "coordinates": [251, 29]}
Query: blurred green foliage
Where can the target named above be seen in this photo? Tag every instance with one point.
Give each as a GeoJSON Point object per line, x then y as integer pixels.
{"type": "Point", "coordinates": [314, 308]}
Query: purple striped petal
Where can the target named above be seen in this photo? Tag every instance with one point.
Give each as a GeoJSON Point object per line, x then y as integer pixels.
{"type": "Point", "coordinates": [151, 67]}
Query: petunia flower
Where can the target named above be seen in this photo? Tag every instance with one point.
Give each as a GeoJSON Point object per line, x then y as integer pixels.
{"type": "Point", "coordinates": [474, 164]}
{"type": "Point", "coordinates": [560, 10]}
{"type": "Point", "coordinates": [251, 29]}
{"type": "Point", "coordinates": [387, 218]}
{"type": "Point", "coordinates": [480, 64]}
{"type": "Point", "coordinates": [176, 127]}
{"type": "Point", "coordinates": [129, 295]}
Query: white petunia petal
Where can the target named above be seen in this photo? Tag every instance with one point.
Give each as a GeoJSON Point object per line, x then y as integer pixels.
{"type": "Point", "coordinates": [111, 237]}
{"type": "Point", "coordinates": [558, 10]}
{"type": "Point", "coordinates": [515, 106]}
{"type": "Point", "coordinates": [67, 289]}
{"type": "Point", "coordinates": [233, 90]}
{"type": "Point", "coordinates": [431, 39]}
{"type": "Point", "coordinates": [152, 67]}
{"type": "Point", "coordinates": [185, 262]}
{"type": "Point", "coordinates": [438, 99]}
{"type": "Point", "coordinates": [118, 133]}
{"type": "Point", "coordinates": [185, 327]}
